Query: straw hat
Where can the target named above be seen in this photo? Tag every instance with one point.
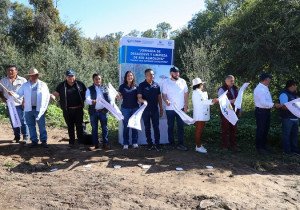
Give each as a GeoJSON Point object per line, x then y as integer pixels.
{"type": "Point", "coordinates": [33, 71]}
{"type": "Point", "coordinates": [197, 81]}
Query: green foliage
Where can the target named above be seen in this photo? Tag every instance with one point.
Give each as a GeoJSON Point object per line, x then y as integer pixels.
{"type": "Point", "coordinates": [54, 116]}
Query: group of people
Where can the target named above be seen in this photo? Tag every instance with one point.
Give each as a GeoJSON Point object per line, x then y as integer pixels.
{"type": "Point", "coordinates": [31, 99]}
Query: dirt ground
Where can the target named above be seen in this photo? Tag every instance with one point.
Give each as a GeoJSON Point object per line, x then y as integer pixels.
{"type": "Point", "coordinates": [64, 178]}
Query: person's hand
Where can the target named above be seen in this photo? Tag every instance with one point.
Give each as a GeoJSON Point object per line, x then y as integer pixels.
{"type": "Point", "coordinates": [232, 101]}
{"type": "Point", "coordinates": [10, 93]}
{"type": "Point", "coordinates": [118, 97]}
{"type": "Point", "coordinates": [278, 106]}
{"type": "Point", "coordinates": [52, 97]}
{"type": "Point", "coordinates": [167, 102]}
{"type": "Point", "coordinates": [185, 108]}
{"type": "Point", "coordinates": [215, 100]}
{"type": "Point", "coordinates": [94, 102]}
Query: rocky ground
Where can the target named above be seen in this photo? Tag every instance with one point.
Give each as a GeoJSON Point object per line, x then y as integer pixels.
{"type": "Point", "coordinates": [64, 178]}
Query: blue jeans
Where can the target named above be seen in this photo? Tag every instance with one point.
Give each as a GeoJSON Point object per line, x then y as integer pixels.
{"type": "Point", "coordinates": [127, 113]}
{"type": "Point", "coordinates": [31, 121]}
{"type": "Point", "coordinates": [290, 135]}
{"type": "Point", "coordinates": [148, 116]}
{"type": "Point", "coordinates": [94, 119]}
{"type": "Point", "coordinates": [24, 128]}
{"type": "Point", "coordinates": [171, 116]}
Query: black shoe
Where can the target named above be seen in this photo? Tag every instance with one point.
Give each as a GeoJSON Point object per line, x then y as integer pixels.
{"type": "Point", "coordinates": [16, 140]}
{"type": "Point", "coordinates": [171, 146]}
{"type": "Point", "coordinates": [150, 147]}
{"type": "Point", "coordinates": [44, 144]}
{"type": "Point", "coordinates": [262, 152]}
{"type": "Point", "coordinates": [181, 147]}
{"type": "Point", "coordinates": [33, 145]}
{"type": "Point", "coordinates": [157, 147]}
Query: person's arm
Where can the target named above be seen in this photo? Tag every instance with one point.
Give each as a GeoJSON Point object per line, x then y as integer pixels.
{"type": "Point", "coordinates": [161, 111]}
{"type": "Point", "coordinates": [186, 98]}
{"type": "Point", "coordinates": [186, 101]}
{"type": "Point", "coordinates": [283, 98]}
{"type": "Point", "coordinates": [54, 95]}
{"type": "Point", "coordinates": [88, 99]}
{"type": "Point", "coordinates": [165, 98]}
{"type": "Point", "coordinates": [140, 99]}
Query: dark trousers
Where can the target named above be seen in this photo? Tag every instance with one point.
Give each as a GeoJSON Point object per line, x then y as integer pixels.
{"type": "Point", "coordinates": [148, 117]}
{"type": "Point", "coordinates": [94, 119]}
{"type": "Point", "coordinates": [228, 133]}
{"type": "Point", "coordinates": [263, 117]}
{"type": "Point", "coordinates": [74, 118]}
{"type": "Point", "coordinates": [290, 129]}
{"type": "Point", "coordinates": [171, 116]}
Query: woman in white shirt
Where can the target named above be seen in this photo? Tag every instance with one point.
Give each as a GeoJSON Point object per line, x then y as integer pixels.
{"type": "Point", "coordinates": [201, 111]}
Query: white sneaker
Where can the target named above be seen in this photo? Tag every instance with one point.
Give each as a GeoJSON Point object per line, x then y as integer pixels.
{"type": "Point", "coordinates": [125, 147]}
{"type": "Point", "coordinates": [201, 149]}
{"type": "Point", "coordinates": [135, 146]}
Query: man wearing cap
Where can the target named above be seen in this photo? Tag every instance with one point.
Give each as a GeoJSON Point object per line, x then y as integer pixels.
{"type": "Point", "coordinates": [175, 92]}
{"type": "Point", "coordinates": [263, 105]}
{"type": "Point", "coordinates": [72, 96]}
{"type": "Point", "coordinates": [13, 82]}
{"type": "Point", "coordinates": [36, 97]}
{"type": "Point", "coordinates": [290, 122]}
{"type": "Point", "coordinates": [149, 92]}
{"type": "Point", "coordinates": [228, 131]}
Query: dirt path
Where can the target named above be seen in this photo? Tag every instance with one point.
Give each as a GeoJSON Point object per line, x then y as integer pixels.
{"type": "Point", "coordinates": [88, 180]}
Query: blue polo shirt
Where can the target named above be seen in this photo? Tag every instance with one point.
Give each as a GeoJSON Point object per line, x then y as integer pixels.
{"type": "Point", "coordinates": [129, 95]}
{"type": "Point", "coordinates": [150, 93]}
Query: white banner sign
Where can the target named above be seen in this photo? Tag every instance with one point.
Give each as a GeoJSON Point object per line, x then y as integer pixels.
{"type": "Point", "coordinates": [185, 118]}
{"type": "Point", "coordinates": [294, 107]}
{"type": "Point", "coordinates": [227, 109]}
{"type": "Point", "coordinates": [135, 119]}
{"type": "Point", "coordinates": [111, 109]}
{"type": "Point", "coordinates": [239, 99]}
{"type": "Point", "coordinates": [13, 113]}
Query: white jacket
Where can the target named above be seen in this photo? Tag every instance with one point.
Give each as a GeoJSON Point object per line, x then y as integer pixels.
{"type": "Point", "coordinates": [43, 97]}
{"type": "Point", "coordinates": [201, 105]}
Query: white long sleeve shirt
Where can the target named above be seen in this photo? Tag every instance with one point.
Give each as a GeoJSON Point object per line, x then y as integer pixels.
{"type": "Point", "coordinates": [88, 100]}
{"type": "Point", "coordinates": [262, 97]}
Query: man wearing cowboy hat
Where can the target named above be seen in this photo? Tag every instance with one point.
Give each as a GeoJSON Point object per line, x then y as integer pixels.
{"type": "Point", "coordinates": [36, 96]}
{"type": "Point", "coordinates": [175, 92]}
{"type": "Point", "coordinates": [13, 82]}
{"type": "Point", "coordinates": [201, 111]}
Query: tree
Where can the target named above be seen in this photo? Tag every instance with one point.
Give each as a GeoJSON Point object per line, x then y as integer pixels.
{"type": "Point", "coordinates": [261, 36]}
{"type": "Point", "coordinates": [4, 20]}
{"type": "Point", "coordinates": [148, 33]}
{"type": "Point", "coordinates": [134, 33]}
{"type": "Point", "coordinates": [162, 30]}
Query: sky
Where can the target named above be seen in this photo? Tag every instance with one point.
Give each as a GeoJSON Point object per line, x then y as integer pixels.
{"type": "Point", "coordinates": [102, 17]}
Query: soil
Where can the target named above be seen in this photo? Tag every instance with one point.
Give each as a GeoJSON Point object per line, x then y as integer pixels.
{"type": "Point", "coordinates": [75, 178]}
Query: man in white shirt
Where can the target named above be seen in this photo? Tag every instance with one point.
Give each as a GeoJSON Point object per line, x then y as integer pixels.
{"type": "Point", "coordinates": [175, 92]}
{"type": "Point", "coordinates": [36, 99]}
{"type": "Point", "coordinates": [97, 111]}
{"type": "Point", "coordinates": [13, 82]}
{"type": "Point", "coordinates": [263, 105]}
